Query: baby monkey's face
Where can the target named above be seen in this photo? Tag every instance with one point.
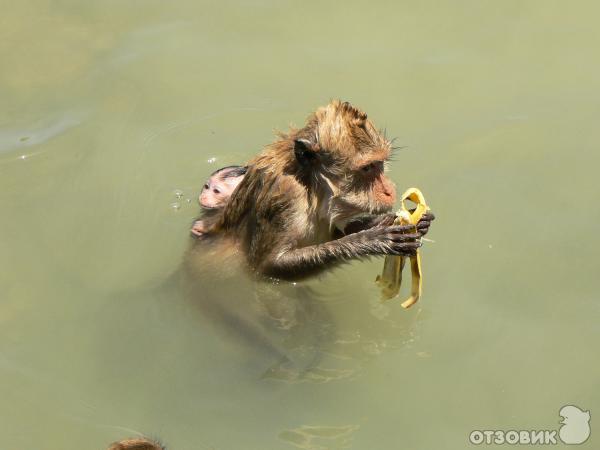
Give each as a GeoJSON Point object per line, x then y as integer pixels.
{"type": "Point", "coordinates": [219, 187]}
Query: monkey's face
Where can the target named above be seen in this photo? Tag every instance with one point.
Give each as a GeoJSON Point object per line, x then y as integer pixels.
{"type": "Point", "coordinates": [217, 190]}
{"type": "Point", "coordinates": [365, 189]}
{"type": "Point", "coordinates": [350, 155]}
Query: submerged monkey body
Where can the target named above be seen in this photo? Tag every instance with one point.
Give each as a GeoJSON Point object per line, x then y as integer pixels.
{"type": "Point", "coordinates": [290, 213]}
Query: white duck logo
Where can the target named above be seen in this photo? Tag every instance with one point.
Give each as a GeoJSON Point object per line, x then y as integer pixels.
{"type": "Point", "coordinates": [576, 427]}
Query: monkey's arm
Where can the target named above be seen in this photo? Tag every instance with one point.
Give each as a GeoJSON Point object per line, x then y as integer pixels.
{"type": "Point", "coordinates": [296, 263]}
{"type": "Point", "coordinates": [384, 220]}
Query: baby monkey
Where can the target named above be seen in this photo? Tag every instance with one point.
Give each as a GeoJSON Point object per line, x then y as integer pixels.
{"type": "Point", "coordinates": [215, 195]}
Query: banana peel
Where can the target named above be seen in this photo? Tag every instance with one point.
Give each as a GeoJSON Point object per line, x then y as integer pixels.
{"type": "Point", "coordinates": [390, 279]}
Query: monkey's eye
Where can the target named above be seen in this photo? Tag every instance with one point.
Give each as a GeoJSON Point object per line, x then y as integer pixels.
{"type": "Point", "coordinates": [216, 191]}
{"type": "Point", "coordinates": [372, 168]}
{"type": "Point", "coordinates": [206, 186]}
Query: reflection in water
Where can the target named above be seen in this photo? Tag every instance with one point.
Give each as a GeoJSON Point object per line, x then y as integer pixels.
{"type": "Point", "coordinates": [312, 374]}
{"type": "Point", "coordinates": [319, 437]}
{"type": "Point", "coordinates": [38, 134]}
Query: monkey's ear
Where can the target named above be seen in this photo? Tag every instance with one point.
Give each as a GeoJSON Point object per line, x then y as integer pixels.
{"type": "Point", "coordinates": [305, 152]}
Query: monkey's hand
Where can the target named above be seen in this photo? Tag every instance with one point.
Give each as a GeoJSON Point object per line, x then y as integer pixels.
{"type": "Point", "coordinates": [386, 220]}
{"type": "Point", "coordinates": [296, 263]}
{"type": "Point", "coordinates": [425, 222]}
{"type": "Point", "coordinates": [369, 221]}
{"type": "Point", "coordinates": [400, 240]}
{"type": "Point", "coordinates": [198, 229]}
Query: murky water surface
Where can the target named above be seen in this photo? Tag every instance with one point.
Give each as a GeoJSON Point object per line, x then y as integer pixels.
{"type": "Point", "coordinates": [113, 114]}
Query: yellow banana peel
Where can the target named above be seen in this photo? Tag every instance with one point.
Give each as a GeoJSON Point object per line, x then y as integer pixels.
{"type": "Point", "coordinates": [390, 279]}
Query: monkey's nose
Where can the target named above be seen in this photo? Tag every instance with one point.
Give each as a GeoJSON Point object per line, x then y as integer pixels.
{"type": "Point", "coordinates": [389, 193]}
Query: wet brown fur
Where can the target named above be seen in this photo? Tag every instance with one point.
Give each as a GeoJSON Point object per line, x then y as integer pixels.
{"type": "Point", "coordinates": [286, 213]}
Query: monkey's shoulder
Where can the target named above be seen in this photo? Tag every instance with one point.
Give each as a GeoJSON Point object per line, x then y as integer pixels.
{"type": "Point", "coordinates": [281, 195]}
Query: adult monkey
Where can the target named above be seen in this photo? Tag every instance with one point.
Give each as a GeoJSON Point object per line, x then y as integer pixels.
{"type": "Point", "coordinates": [318, 197]}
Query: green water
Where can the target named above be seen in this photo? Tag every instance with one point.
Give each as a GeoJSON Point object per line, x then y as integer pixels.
{"type": "Point", "coordinates": [113, 113]}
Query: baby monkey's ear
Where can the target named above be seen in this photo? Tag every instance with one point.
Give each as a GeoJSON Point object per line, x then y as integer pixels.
{"type": "Point", "coordinates": [306, 152]}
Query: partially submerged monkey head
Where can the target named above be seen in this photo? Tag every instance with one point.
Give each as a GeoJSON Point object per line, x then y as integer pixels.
{"type": "Point", "coordinates": [136, 444]}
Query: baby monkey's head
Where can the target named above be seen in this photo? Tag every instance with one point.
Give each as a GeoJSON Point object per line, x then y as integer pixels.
{"type": "Point", "coordinates": [219, 187]}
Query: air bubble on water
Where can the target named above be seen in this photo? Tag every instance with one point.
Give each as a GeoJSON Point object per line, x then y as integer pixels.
{"type": "Point", "coordinates": [23, 156]}
{"type": "Point", "coordinates": [211, 160]}
{"type": "Point", "coordinates": [178, 193]}
{"type": "Point", "coordinates": [175, 206]}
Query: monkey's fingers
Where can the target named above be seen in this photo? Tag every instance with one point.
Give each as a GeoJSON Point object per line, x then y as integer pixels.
{"type": "Point", "coordinates": [198, 228]}
{"type": "Point", "coordinates": [404, 237]}
{"type": "Point", "coordinates": [405, 248]}
{"type": "Point", "coordinates": [197, 231]}
{"type": "Point", "coordinates": [425, 220]}
{"type": "Point", "coordinates": [387, 220]}
{"type": "Point", "coordinates": [425, 223]}
{"type": "Point", "coordinates": [400, 229]}
{"type": "Point", "coordinates": [428, 216]}
{"type": "Point", "coordinates": [423, 228]}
